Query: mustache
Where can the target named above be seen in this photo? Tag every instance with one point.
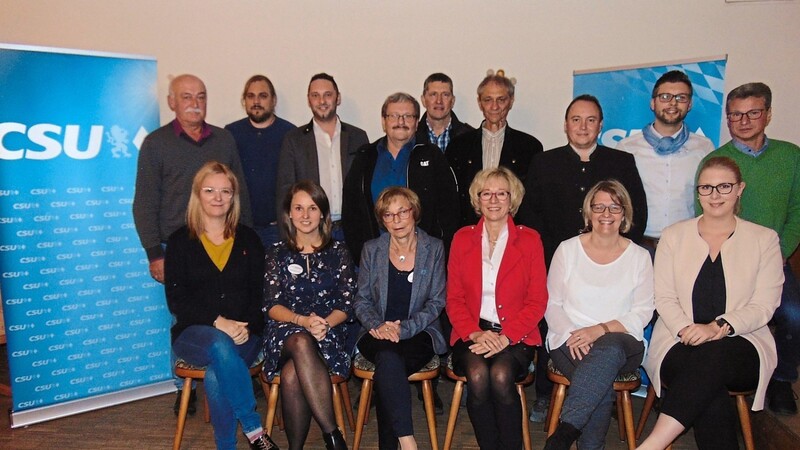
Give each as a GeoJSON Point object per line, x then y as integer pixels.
{"type": "Point", "coordinates": [400, 127]}
{"type": "Point", "coordinates": [193, 110]}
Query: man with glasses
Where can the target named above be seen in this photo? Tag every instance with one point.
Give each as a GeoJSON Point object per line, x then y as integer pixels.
{"type": "Point", "coordinates": [396, 159]}
{"type": "Point", "coordinates": [555, 187]}
{"type": "Point", "coordinates": [322, 150]}
{"type": "Point", "coordinates": [667, 155]}
{"type": "Point", "coordinates": [168, 161]}
{"type": "Point", "coordinates": [258, 138]}
{"type": "Point", "coordinates": [439, 124]}
{"type": "Point", "coordinates": [770, 168]}
{"type": "Point", "coordinates": [494, 144]}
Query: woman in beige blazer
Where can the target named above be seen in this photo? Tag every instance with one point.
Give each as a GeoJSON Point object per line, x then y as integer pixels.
{"type": "Point", "coordinates": [718, 281]}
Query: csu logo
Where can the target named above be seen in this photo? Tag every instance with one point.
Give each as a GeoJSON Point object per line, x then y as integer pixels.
{"type": "Point", "coordinates": [48, 141]}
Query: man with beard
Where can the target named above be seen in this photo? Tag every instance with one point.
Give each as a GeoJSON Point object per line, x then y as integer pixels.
{"type": "Point", "coordinates": [667, 155]}
{"type": "Point", "coordinates": [258, 138]}
{"type": "Point", "coordinates": [439, 124]}
{"type": "Point", "coordinates": [168, 161]}
{"type": "Point", "coordinates": [322, 150]}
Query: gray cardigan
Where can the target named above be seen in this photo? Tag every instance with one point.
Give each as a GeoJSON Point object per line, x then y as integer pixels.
{"type": "Point", "coordinates": [427, 290]}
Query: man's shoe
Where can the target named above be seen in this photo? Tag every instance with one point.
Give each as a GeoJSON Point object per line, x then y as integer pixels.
{"type": "Point", "coordinates": [563, 438]}
{"type": "Point", "coordinates": [264, 443]}
{"type": "Point", "coordinates": [539, 410]}
{"type": "Point", "coordinates": [192, 409]}
{"type": "Point", "coordinates": [781, 398]}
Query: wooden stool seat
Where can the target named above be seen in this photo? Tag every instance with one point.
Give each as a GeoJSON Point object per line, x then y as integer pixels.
{"type": "Point", "coordinates": [365, 369]}
{"type": "Point", "coordinates": [455, 404]}
{"type": "Point", "coordinates": [191, 372]}
{"type": "Point", "coordinates": [623, 385]}
{"type": "Point", "coordinates": [341, 400]}
{"type": "Point", "coordinates": [741, 408]}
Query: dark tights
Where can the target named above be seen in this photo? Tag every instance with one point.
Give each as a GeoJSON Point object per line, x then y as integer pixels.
{"type": "Point", "coordinates": [305, 389]}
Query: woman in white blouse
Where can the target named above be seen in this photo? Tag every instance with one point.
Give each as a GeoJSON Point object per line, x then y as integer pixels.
{"type": "Point", "coordinates": [601, 298]}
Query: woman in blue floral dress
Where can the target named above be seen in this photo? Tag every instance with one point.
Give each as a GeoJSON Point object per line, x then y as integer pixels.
{"type": "Point", "coordinates": [308, 290]}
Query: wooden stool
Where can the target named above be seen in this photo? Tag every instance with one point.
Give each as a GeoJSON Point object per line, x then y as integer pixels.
{"type": "Point", "coordinates": [364, 369]}
{"type": "Point", "coordinates": [741, 407]}
{"type": "Point", "coordinates": [189, 372]}
{"type": "Point", "coordinates": [458, 391]}
{"type": "Point", "coordinates": [623, 385]}
{"type": "Point", "coordinates": [341, 396]}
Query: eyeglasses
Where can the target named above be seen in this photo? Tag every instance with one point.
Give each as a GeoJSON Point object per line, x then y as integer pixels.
{"type": "Point", "coordinates": [394, 117]}
{"type": "Point", "coordinates": [224, 192]}
{"type": "Point", "coordinates": [667, 97]}
{"type": "Point", "coordinates": [501, 196]}
{"type": "Point", "coordinates": [753, 114]}
{"type": "Point", "coordinates": [722, 188]}
{"type": "Point", "coordinates": [600, 208]}
{"type": "Point", "coordinates": [403, 214]}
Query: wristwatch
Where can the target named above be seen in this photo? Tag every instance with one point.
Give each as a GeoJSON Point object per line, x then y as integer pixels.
{"type": "Point", "coordinates": [721, 322]}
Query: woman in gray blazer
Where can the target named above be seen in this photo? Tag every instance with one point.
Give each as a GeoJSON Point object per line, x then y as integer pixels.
{"type": "Point", "coordinates": [401, 292]}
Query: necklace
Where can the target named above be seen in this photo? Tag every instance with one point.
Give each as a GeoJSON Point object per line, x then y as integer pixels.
{"type": "Point", "coordinates": [401, 257]}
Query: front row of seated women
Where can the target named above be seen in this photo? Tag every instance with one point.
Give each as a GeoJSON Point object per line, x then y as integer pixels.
{"type": "Point", "coordinates": [717, 283]}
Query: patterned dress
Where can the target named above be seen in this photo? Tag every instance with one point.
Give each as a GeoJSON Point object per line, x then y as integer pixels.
{"type": "Point", "coordinates": [304, 283]}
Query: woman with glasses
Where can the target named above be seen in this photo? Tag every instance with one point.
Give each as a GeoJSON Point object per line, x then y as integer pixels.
{"type": "Point", "coordinates": [601, 298]}
{"type": "Point", "coordinates": [496, 296]}
{"type": "Point", "coordinates": [718, 282]}
{"type": "Point", "coordinates": [213, 272]}
{"type": "Point", "coordinates": [308, 290]}
{"type": "Point", "coordinates": [401, 291]}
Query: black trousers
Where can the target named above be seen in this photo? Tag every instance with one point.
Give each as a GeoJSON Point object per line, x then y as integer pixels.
{"type": "Point", "coordinates": [394, 362]}
{"type": "Point", "coordinates": [697, 381]}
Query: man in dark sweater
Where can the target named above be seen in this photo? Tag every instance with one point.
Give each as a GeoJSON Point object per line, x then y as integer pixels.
{"type": "Point", "coordinates": [259, 137]}
{"type": "Point", "coordinates": [439, 124]}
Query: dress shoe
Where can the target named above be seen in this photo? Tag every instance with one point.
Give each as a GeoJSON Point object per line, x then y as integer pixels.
{"type": "Point", "coordinates": [563, 438]}
{"type": "Point", "coordinates": [264, 443]}
{"type": "Point", "coordinates": [781, 398]}
{"type": "Point", "coordinates": [334, 440]}
{"type": "Point", "coordinates": [192, 409]}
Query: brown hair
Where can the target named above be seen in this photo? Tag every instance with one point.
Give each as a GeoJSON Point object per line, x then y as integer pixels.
{"type": "Point", "coordinates": [619, 194]}
{"type": "Point", "coordinates": [389, 194]}
{"type": "Point", "coordinates": [194, 211]}
{"type": "Point", "coordinates": [320, 199]}
{"type": "Point", "coordinates": [724, 162]}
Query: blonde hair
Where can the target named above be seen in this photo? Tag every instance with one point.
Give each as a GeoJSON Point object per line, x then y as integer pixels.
{"type": "Point", "coordinates": [515, 188]}
{"type": "Point", "coordinates": [194, 211]}
{"type": "Point", "coordinates": [390, 193]}
{"type": "Point", "coordinates": [619, 194]}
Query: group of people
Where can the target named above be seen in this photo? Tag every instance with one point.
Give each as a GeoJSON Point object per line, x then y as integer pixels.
{"type": "Point", "coordinates": [442, 238]}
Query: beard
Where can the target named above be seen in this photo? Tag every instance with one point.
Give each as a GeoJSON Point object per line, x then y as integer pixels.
{"type": "Point", "coordinates": [668, 119]}
{"type": "Point", "coordinates": [259, 115]}
{"type": "Point", "coordinates": [325, 115]}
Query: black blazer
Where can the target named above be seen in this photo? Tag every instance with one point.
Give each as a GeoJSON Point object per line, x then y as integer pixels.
{"type": "Point", "coordinates": [557, 183]}
{"type": "Point", "coordinates": [198, 292]}
{"type": "Point", "coordinates": [465, 154]}
{"type": "Point", "coordinates": [429, 176]}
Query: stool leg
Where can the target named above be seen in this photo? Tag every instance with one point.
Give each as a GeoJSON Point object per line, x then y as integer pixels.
{"type": "Point", "coordinates": [337, 409]}
{"type": "Point", "coordinates": [272, 405]}
{"type": "Point", "coordinates": [430, 412]}
{"type": "Point", "coordinates": [207, 412]}
{"type": "Point", "coordinates": [526, 432]}
{"type": "Point", "coordinates": [556, 404]}
{"type": "Point", "coordinates": [648, 406]}
{"type": "Point", "coordinates": [187, 391]}
{"type": "Point", "coordinates": [348, 406]}
{"type": "Point", "coordinates": [627, 411]}
{"type": "Point", "coordinates": [546, 425]}
{"type": "Point", "coordinates": [744, 419]}
{"type": "Point", "coordinates": [620, 421]}
{"type": "Point", "coordinates": [363, 409]}
{"type": "Point", "coordinates": [458, 391]}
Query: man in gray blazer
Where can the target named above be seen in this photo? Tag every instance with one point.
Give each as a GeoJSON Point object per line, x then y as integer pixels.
{"type": "Point", "coordinates": [321, 150]}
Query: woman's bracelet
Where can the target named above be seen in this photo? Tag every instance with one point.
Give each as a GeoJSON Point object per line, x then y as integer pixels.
{"type": "Point", "coordinates": [605, 328]}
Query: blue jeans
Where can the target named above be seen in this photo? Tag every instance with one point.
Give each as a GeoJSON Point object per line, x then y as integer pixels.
{"type": "Point", "coordinates": [591, 394]}
{"type": "Point", "coordinates": [229, 389]}
{"type": "Point", "coordinates": [787, 328]}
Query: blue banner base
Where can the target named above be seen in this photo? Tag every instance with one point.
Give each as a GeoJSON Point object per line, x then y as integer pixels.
{"type": "Point", "coordinates": [37, 415]}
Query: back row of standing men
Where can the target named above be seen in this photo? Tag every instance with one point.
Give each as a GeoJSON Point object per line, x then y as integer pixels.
{"type": "Point", "coordinates": [437, 156]}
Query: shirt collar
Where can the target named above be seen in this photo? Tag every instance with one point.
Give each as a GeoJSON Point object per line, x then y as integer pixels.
{"type": "Point", "coordinates": [744, 148]}
{"type": "Point", "coordinates": [205, 132]}
{"type": "Point", "coordinates": [382, 147]}
{"type": "Point", "coordinates": [493, 134]}
{"type": "Point", "coordinates": [318, 129]}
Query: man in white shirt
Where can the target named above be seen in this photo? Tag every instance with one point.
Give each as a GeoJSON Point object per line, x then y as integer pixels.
{"type": "Point", "coordinates": [667, 155]}
{"type": "Point", "coordinates": [322, 150]}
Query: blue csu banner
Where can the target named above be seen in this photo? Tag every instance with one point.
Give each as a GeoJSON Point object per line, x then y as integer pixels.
{"type": "Point", "coordinates": [625, 96]}
{"type": "Point", "coordinates": [83, 318]}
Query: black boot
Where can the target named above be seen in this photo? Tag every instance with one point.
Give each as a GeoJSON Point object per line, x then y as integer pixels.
{"type": "Point", "coordinates": [192, 409]}
{"type": "Point", "coordinates": [334, 440]}
{"type": "Point", "coordinates": [263, 443]}
{"type": "Point", "coordinates": [563, 438]}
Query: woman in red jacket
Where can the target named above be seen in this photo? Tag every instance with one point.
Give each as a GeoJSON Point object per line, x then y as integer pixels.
{"type": "Point", "coordinates": [496, 296]}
